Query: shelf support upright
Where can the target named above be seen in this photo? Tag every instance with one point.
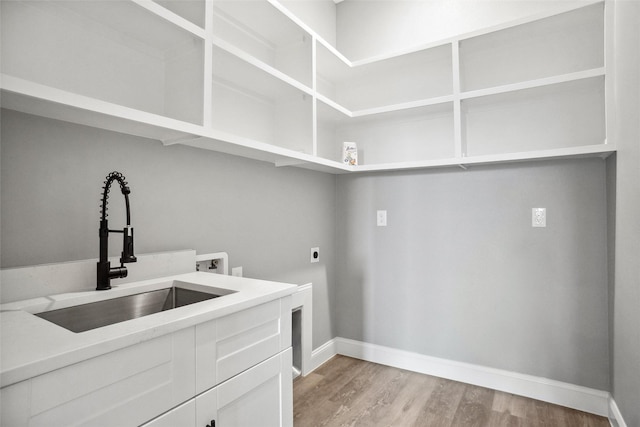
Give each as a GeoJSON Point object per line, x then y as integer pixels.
{"type": "Point", "coordinates": [458, 132]}
{"type": "Point", "coordinates": [314, 103]}
{"type": "Point", "coordinates": [609, 61]}
{"type": "Point", "coordinates": [207, 102]}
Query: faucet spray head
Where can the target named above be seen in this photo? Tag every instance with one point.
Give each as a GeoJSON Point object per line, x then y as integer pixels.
{"type": "Point", "coordinates": [127, 246]}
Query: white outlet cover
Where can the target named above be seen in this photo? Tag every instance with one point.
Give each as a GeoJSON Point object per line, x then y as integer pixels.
{"type": "Point", "coordinates": [315, 254]}
{"type": "Point", "coordinates": [538, 217]}
{"type": "Point", "coordinates": [236, 271]}
{"type": "Point", "coordinates": [381, 218]}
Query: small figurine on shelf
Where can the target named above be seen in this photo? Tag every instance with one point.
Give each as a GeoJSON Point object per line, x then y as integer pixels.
{"type": "Point", "coordinates": [350, 154]}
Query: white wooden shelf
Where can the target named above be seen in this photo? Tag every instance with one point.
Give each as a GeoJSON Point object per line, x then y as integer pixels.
{"type": "Point", "coordinates": [143, 62]}
{"type": "Point", "coordinates": [418, 133]}
{"type": "Point", "coordinates": [33, 98]}
{"type": "Point", "coordinates": [248, 78]}
{"type": "Point", "coordinates": [547, 81]}
{"type": "Point", "coordinates": [602, 151]}
{"type": "Point", "coordinates": [44, 101]}
{"type": "Point", "coordinates": [262, 31]}
{"type": "Point", "coordinates": [249, 101]}
{"type": "Point", "coordinates": [563, 115]}
{"type": "Point", "coordinates": [408, 78]}
{"type": "Point", "coordinates": [561, 44]}
{"type": "Point", "coordinates": [193, 10]}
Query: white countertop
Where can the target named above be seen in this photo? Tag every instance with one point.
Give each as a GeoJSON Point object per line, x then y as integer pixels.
{"type": "Point", "coordinates": [32, 346]}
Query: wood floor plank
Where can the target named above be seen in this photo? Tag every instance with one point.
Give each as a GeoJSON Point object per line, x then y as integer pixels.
{"type": "Point", "coordinates": [474, 409]}
{"type": "Point", "coordinates": [312, 406]}
{"type": "Point", "coordinates": [371, 406]}
{"type": "Point", "coordinates": [504, 419]}
{"type": "Point", "coordinates": [441, 407]}
{"type": "Point", "coordinates": [351, 392]}
{"type": "Point", "coordinates": [409, 401]}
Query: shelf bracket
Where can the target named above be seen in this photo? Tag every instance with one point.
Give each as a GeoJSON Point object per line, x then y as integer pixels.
{"type": "Point", "coordinates": [288, 162]}
{"type": "Point", "coordinates": [180, 140]}
{"type": "Point", "coordinates": [463, 167]}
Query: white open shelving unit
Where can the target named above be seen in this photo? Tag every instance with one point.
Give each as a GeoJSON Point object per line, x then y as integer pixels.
{"type": "Point", "coordinates": [248, 78]}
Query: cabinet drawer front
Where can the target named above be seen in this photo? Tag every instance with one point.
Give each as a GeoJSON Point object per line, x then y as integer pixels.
{"type": "Point", "coordinates": [230, 345]}
{"type": "Point", "coordinates": [125, 388]}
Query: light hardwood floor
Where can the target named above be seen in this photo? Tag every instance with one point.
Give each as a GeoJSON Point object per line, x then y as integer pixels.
{"type": "Point", "coordinates": [352, 392]}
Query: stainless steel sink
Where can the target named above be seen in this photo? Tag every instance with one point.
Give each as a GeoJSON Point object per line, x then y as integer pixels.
{"type": "Point", "coordinates": [85, 317]}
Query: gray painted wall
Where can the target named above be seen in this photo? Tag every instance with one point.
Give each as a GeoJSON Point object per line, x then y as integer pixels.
{"type": "Point", "coordinates": [459, 272]}
{"type": "Point", "coordinates": [267, 219]}
{"type": "Point", "coordinates": [626, 132]}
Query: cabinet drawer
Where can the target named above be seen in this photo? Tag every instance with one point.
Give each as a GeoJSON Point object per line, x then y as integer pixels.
{"type": "Point", "coordinates": [125, 388]}
{"type": "Point", "coordinates": [230, 345]}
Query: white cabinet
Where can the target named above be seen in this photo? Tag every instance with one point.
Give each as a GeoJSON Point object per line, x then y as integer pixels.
{"type": "Point", "coordinates": [230, 369]}
{"type": "Point", "coordinates": [248, 78]}
{"type": "Point", "coordinates": [125, 388]}
{"type": "Point", "coordinates": [260, 396]}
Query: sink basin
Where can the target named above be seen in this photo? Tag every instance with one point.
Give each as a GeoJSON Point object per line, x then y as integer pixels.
{"type": "Point", "coordinates": [84, 317]}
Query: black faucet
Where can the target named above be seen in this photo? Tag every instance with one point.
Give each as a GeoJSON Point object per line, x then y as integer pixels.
{"type": "Point", "coordinates": [105, 272]}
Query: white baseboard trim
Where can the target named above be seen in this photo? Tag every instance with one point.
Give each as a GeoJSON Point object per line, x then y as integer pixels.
{"type": "Point", "coordinates": [552, 391]}
{"type": "Point", "coordinates": [615, 417]}
{"type": "Point", "coordinates": [323, 354]}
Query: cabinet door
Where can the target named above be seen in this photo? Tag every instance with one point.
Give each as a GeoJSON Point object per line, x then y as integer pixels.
{"type": "Point", "coordinates": [260, 396]}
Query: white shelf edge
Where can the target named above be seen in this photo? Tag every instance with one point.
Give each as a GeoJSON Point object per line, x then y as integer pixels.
{"type": "Point", "coordinates": [58, 96]}
{"type": "Point", "coordinates": [579, 151]}
{"type": "Point", "coordinates": [546, 81]}
{"type": "Point", "coordinates": [240, 54]}
{"type": "Point", "coordinates": [171, 17]}
{"type": "Point", "coordinates": [403, 106]}
{"type": "Point", "coordinates": [225, 142]}
{"type": "Point", "coordinates": [600, 150]}
{"type": "Point", "coordinates": [334, 105]}
{"type": "Point", "coordinates": [417, 164]}
{"type": "Point", "coordinates": [335, 52]}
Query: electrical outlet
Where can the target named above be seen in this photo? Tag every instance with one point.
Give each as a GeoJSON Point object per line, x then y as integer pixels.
{"type": "Point", "coordinates": [236, 271]}
{"type": "Point", "coordinates": [539, 217]}
{"type": "Point", "coordinates": [315, 254]}
{"type": "Point", "coordinates": [381, 218]}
